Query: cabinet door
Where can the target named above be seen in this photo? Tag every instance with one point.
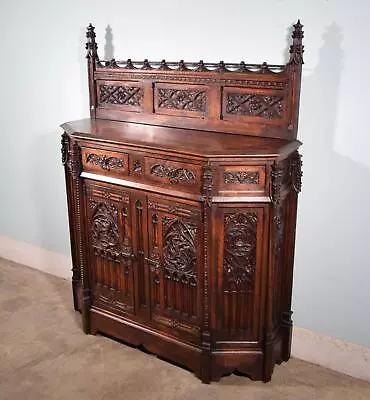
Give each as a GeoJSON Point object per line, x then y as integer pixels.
{"type": "Point", "coordinates": [109, 248]}
{"type": "Point", "coordinates": [175, 257]}
{"type": "Point", "coordinates": [240, 257]}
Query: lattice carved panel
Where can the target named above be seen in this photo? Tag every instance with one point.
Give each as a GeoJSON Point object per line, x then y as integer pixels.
{"type": "Point", "coordinates": [254, 105]}
{"type": "Point", "coordinates": [121, 95]}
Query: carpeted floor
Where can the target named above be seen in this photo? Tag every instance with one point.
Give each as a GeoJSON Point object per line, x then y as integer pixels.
{"type": "Point", "coordinates": [45, 355]}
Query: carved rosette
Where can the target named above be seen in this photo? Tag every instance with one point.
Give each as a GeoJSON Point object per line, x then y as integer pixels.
{"type": "Point", "coordinates": [179, 250]}
{"type": "Point", "coordinates": [241, 177]}
{"type": "Point", "coordinates": [189, 100]}
{"type": "Point", "coordinates": [255, 105]}
{"type": "Point", "coordinates": [174, 175]}
{"type": "Point", "coordinates": [240, 243]}
{"type": "Point", "coordinates": [106, 163]}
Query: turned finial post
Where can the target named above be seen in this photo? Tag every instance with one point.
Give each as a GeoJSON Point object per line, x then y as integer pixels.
{"type": "Point", "coordinates": [91, 45]}
{"type": "Point", "coordinates": [297, 49]}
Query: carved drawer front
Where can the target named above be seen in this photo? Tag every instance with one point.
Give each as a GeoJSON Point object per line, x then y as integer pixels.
{"type": "Point", "coordinates": [104, 162]}
{"type": "Point", "coordinates": [249, 179]}
{"type": "Point", "coordinates": [173, 174]}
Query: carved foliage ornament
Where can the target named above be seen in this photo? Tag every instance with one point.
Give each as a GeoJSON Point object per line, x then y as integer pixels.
{"type": "Point", "coordinates": [241, 177]}
{"type": "Point", "coordinates": [189, 100]}
{"type": "Point", "coordinates": [106, 163]}
{"type": "Point", "coordinates": [179, 250]}
{"type": "Point", "coordinates": [121, 95]}
{"type": "Point", "coordinates": [174, 175]}
{"type": "Point", "coordinates": [255, 105]}
{"type": "Point", "coordinates": [240, 249]}
{"type": "Point", "coordinates": [296, 171]}
{"type": "Point", "coordinates": [104, 230]}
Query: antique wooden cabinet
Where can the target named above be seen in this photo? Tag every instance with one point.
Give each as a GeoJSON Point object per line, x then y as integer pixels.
{"type": "Point", "coordinates": [182, 196]}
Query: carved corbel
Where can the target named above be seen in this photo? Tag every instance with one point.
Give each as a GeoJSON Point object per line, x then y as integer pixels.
{"type": "Point", "coordinates": [207, 185]}
{"type": "Point", "coordinates": [296, 171]}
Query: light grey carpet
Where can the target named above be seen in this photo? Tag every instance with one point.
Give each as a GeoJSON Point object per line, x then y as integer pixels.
{"type": "Point", "coordinates": [45, 355]}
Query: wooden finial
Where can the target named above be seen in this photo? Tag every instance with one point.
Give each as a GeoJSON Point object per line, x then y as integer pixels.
{"type": "Point", "coordinates": [91, 45]}
{"type": "Point", "coordinates": [296, 49]}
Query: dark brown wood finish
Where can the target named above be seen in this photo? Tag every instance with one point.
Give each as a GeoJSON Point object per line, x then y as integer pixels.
{"type": "Point", "coordinates": [182, 196]}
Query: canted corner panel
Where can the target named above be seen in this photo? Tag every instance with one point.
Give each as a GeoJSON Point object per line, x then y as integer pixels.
{"type": "Point", "coordinates": [259, 105]}
{"type": "Point", "coordinates": [181, 100]}
{"type": "Point", "coordinates": [125, 95]}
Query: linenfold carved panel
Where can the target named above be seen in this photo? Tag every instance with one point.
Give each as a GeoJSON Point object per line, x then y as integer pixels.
{"type": "Point", "coordinates": [254, 105]}
{"type": "Point", "coordinates": [240, 241]}
{"type": "Point", "coordinates": [189, 100]}
{"type": "Point", "coordinates": [121, 95]}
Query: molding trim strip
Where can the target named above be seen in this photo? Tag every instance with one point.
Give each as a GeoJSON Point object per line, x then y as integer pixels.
{"type": "Point", "coordinates": [329, 352]}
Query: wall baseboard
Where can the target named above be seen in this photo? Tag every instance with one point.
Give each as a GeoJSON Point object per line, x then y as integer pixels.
{"type": "Point", "coordinates": [336, 354]}
{"type": "Point", "coordinates": [36, 257]}
{"type": "Point", "coordinates": [329, 352]}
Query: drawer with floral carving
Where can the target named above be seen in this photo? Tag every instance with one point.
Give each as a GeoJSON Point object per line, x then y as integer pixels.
{"type": "Point", "coordinates": [173, 174]}
{"type": "Point", "coordinates": [104, 162]}
{"type": "Point", "coordinates": [246, 179]}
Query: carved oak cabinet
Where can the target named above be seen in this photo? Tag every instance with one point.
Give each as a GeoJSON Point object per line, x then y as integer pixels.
{"type": "Point", "coordinates": [182, 196]}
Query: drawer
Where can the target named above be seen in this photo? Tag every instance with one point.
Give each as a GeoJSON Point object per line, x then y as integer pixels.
{"type": "Point", "coordinates": [104, 162]}
{"type": "Point", "coordinates": [242, 179]}
{"type": "Point", "coordinates": [173, 174]}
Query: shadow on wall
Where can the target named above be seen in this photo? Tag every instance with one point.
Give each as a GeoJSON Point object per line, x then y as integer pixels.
{"type": "Point", "coordinates": [332, 252]}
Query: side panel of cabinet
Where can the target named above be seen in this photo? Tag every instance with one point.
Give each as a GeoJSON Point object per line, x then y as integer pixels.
{"type": "Point", "coordinates": [241, 237]}
{"type": "Point", "coordinates": [175, 263]}
{"type": "Point", "coordinates": [109, 248]}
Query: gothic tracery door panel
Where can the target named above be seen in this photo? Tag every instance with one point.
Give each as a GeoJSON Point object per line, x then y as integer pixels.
{"type": "Point", "coordinates": [174, 262]}
{"type": "Point", "coordinates": [109, 243]}
{"type": "Point", "coordinates": [239, 272]}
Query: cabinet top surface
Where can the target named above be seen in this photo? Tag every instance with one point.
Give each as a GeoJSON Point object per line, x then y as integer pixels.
{"type": "Point", "coordinates": [177, 140]}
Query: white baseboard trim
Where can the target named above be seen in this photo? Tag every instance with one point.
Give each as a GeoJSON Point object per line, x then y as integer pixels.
{"type": "Point", "coordinates": [36, 257]}
{"type": "Point", "coordinates": [336, 354]}
{"type": "Point", "coordinates": [329, 352]}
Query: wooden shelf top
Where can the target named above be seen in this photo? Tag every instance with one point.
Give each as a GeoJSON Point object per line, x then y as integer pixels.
{"type": "Point", "coordinates": [178, 140]}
